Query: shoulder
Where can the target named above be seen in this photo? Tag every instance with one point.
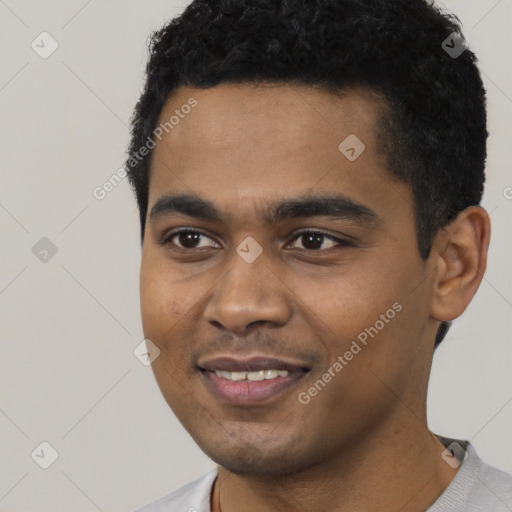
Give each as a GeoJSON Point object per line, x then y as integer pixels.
{"type": "Point", "coordinates": [193, 497]}
{"type": "Point", "coordinates": [492, 489]}
{"type": "Point", "coordinates": [477, 486]}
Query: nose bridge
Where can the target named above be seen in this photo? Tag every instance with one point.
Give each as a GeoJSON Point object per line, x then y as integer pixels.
{"type": "Point", "coordinates": [248, 292]}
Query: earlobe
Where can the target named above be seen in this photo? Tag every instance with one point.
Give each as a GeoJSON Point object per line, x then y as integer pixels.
{"type": "Point", "coordinates": [461, 258]}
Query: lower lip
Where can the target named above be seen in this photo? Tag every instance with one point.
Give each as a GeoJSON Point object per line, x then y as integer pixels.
{"type": "Point", "coordinates": [249, 392]}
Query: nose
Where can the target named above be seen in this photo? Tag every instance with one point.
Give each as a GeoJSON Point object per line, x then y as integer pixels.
{"type": "Point", "coordinates": [248, 293]}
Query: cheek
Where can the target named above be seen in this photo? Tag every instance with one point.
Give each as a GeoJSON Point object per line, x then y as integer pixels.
{"type": "Point", "coordinates": [161, 301]}
{"type": "Point", "coordinates": [369, 317]}
{"type": "Point", "coordinates": [162, 312]}
{"type": "Point", "coordinates": [346, 304]}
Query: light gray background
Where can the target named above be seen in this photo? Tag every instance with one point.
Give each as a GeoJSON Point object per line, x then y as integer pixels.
{"type": "Point", "coordinates": [70, 325]}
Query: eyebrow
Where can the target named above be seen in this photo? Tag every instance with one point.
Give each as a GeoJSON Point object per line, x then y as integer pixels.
{"type": "Point", "coordinates": [336, 207]}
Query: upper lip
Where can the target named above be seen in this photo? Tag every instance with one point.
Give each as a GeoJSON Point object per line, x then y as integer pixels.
{"type": "Point", "coordinates": [250, 364]}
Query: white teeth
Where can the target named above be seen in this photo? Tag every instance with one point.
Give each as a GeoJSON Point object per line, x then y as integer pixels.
{"type": "Point", "coordinates": [252, 376]}
{"type": "Point", "coordinates": [256, 375]}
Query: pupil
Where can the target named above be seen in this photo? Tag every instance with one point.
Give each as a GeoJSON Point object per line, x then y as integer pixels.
{"type": "Point", "coordinates": [187, 237]}
{"type": "Point", "coordinates": [312, 237]}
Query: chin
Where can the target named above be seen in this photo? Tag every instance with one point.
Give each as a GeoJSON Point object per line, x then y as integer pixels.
{"type": "Point", "coordinates": [256, 457]}
{"type": "Point", "coordinates": [247, 464]}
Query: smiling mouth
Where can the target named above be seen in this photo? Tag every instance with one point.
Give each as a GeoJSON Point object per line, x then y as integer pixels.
{"type": "Point", "coordinates": [254, 376]}
{"type": "Point", "coordinates": [250, 381]}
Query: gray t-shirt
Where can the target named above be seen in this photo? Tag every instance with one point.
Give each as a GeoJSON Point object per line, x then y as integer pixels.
{"type": "Point", "coordinates": [477, 487]}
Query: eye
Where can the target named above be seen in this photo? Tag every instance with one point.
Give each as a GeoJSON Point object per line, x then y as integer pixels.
{"type": "Point", "coordinates": [313, 240]}
{"type": "Point", "coordinates": [190, 239]}
{"type": "Point", "coordinates": [187, 239]}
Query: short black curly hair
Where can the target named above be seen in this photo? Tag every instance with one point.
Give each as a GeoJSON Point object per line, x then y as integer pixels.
{"type": "Point", "coordinates": [434, 131]}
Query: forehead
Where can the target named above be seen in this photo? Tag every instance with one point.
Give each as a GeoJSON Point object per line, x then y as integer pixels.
{"type": "Point", "coordinates": [242, 144]}
{"type": "Point", "coordinates": [269, 116]}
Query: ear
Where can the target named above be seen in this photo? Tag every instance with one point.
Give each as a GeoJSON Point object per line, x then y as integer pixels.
{"type": "Point", "coordinates": [460, 254]}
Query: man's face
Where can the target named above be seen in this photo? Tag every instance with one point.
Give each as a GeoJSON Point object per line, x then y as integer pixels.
{"type": "Point", "coordinates": [283, 292]}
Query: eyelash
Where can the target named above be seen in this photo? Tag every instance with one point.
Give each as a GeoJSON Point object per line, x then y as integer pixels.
{"type": "Point", "coordinates": [341, 242]}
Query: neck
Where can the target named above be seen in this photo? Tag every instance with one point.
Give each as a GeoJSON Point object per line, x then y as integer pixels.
{"type": "Point", "coordinates": [395, 470]}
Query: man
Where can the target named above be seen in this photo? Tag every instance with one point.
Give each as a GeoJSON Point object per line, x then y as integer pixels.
{"type": "Point", "coordinates": [308, 176]}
